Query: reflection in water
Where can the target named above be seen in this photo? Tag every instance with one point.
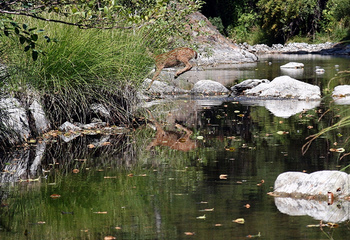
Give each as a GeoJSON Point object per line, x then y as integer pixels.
{"type": "Point", "coordinates": [123, 191]}
{"type": "Point", "coordinates": [285, 108]}
{"type": "Point", "coordinates": [172, 139]}
{"type": "Point", "coordinates": [337, 212]}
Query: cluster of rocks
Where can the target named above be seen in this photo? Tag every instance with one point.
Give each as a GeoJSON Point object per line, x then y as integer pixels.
{"type": "Point", "coordinates": [283, 87]}
{"type": "Point", "coordinates": [327, 48]}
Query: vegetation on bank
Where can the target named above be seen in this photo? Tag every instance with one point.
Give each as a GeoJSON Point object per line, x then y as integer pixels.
{"type": "Point", "coordinates": [77, 53]}
{"type": "Point", "coordinates": [271, 21]}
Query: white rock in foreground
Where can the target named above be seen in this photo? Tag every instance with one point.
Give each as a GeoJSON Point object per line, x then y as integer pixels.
{"type": "Point", "coordinates": [316, 183]}
{"type": "Point", "coordinates": [286, 87]}
{"type": "Point", "coordinates": [341, 94]}
{"type": "Point", "coordinates": [341, 91]}
{"type": "Point", "coordinates": [293, 65]}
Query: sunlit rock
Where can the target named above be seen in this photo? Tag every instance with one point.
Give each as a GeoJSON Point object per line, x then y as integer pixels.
{"type": "Point", "coordinates": [67, 126]}
{"type": "Point", "coordinates": [42, 124]}
{"type": "Point", "coordinates": [14, 117]}
{"type": "Point", "coordinates": [317, 183]}
{"type": "Point", "coordinates": [286, 87]}
{"type": "Point", "coordinates": [208, 87]}
{"type": "Point", "coordinates": [314, 194]}
{"type": "Point", "coordinates": [341, 94]}
{"type": "Point", "coordinates": [161, 88]}
{"type": "Point", "coordinates": [247, 84]}
{"type": "Point", "coordinates": [293, 65]}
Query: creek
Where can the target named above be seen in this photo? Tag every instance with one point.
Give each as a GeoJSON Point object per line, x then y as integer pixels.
{"type": "Point", "coordinates": [130, 186]}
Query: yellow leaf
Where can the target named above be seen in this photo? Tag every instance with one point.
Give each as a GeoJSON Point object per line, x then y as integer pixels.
{"type": "Point", "coordinates": [239, 220]}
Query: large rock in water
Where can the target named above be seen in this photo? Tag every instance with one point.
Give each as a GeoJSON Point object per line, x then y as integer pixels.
{"type": "Point", "coordinates": [286, 87]}
{"type": "Point", "coordinates": [323, 195]}
{"type": "Point", "coordinates": [298, 184]}
{"type": "Point", "coordinates": [208, 87]}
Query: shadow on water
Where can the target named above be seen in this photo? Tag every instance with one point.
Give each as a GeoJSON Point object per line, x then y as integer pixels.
{"type": "Point", "coordinates": [139, 184]}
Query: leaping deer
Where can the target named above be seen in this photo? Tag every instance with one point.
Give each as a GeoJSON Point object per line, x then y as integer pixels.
{"type": "Point", "coordinates": [174, 58]}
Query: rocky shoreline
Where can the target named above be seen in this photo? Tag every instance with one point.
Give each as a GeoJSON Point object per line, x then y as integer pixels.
{"type": "Point", "coordinates": [327, 48]}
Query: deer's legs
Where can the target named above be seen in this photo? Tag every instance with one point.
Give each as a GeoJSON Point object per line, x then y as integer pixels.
{"type": "Point", "coordinates": [185, 69]}
{"type": "Point", "coordinates": [158, 70]}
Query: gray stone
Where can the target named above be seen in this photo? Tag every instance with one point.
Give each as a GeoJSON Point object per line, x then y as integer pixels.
{"type": "Point", "coordinates": [208, 87]}
{"type": "Point", "coordinates": [67, 126]}
{"type": "Point", "coordinates": [247, 84]}
{"type": "Point", "coordinates": [286, 87]}
{"type": "Point", "coordinates": [15, 118]}
{"type": "Point", "coordinates": [42, 124]}
{"type": "Point", "coordinates": [293, 65]}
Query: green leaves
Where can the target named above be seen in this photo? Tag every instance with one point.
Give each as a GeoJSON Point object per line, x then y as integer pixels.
{"type": "Point", "coordinates": [26, 36]}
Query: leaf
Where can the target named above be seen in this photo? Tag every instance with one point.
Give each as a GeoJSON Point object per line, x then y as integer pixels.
{"type": "Point", "coordinates": [223, 176]}
{"type": "Point", "coordinates": [55, 196]}
{"type": "Point", "coordinates": [239, 220]}
{"type": "Point", "coordinates": [189, 233]}
{"type": "Point", "coordinates": [201, 217]}
{"type": "Point", "coordinates": [22, 39]}
{"type": "Point", "coordinates": [48, 39]}
{"type": "Point", "coordinates": [34, 37]}
{"type": "Point", "coordinates": [35, 54]}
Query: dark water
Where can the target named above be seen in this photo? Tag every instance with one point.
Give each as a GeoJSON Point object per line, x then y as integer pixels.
{"type": "Point", "coordinates": [123, 190]}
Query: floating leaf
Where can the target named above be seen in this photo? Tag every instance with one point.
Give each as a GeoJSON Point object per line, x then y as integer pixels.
{"type": "Point", "coordinates": [247, 205]}
{"type": "Point", "coordinates": [201, 217]}
{"type": "Point", "coordinates": [282, 132]}
{"type": "Point", "coordinates": [55, 196]}
{"type": "Point", "coordinates": [207, 210]}
{"type": "Point", "coordinates": [200, 138]}
{"type": "Point", "coordinates": [189, 233]}
{"type": "Point", "coordinates": [109, 238]}
{"type": "Point", "coordinates": [75, 170]}
{"type": "Point", "coordinates": [223, 176]}
{"type": "Point", "coordinates": [254, 236]}
{"type": "Point", "coordinates": [91, 146]}
{"type": "Point", "coordinates": [239, 220]}
{"type": "Point", "coordinates": [340, 150]}
{"type": "Point", "coordinates": [100, 212]}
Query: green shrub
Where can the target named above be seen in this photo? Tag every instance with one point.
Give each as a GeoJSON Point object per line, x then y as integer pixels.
{"type": "Point", "coordinates": [79, 68]}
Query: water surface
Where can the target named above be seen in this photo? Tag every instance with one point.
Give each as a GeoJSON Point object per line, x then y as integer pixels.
{"type": "Point", "coordinates": [122, 190]}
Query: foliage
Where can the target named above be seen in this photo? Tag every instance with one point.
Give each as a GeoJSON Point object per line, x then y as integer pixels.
{"type": "Point", "coordinates": [247, 29]}
{"type": "Point", "coordinates": [217, 22]}
{"type": "Point", "coordinates": [95, 67]}
{"type": "Point", "coordinates": [284, 19]}
{"type": "Point", "coordinates": [163, 16]}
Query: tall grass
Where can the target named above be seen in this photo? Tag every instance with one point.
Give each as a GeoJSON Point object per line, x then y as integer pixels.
{"type": "Point", "coordinates": [79, 68]}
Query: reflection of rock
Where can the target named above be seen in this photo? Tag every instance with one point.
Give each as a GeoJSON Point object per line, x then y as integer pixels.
{"type": "Point", "coordinates": [284, 108]}
{"type": "Point", "coordinates": [294, 73]}
{"type": "Point", "coordinates": [314, 194]}
{"type": "Point", "coordinates": [336, 213]}
{"type": "Point", "coordinates": [341, 94]}
{"type": "Point", "coordinates": [286, 87]}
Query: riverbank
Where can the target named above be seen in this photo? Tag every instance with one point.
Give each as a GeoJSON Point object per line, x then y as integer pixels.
{"type": "Point", "coordinates": [327, 48]}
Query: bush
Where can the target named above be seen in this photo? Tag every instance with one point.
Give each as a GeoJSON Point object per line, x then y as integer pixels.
{"type": "Point", "coordinates": [80, 68]}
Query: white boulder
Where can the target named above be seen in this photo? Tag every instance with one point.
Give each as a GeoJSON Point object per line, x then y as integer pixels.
{"type": "Point", "coordinates": [286, 87]}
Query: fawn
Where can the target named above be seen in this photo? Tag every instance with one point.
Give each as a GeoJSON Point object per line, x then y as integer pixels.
{"type": "Point", "coordinates": [174, 58]}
